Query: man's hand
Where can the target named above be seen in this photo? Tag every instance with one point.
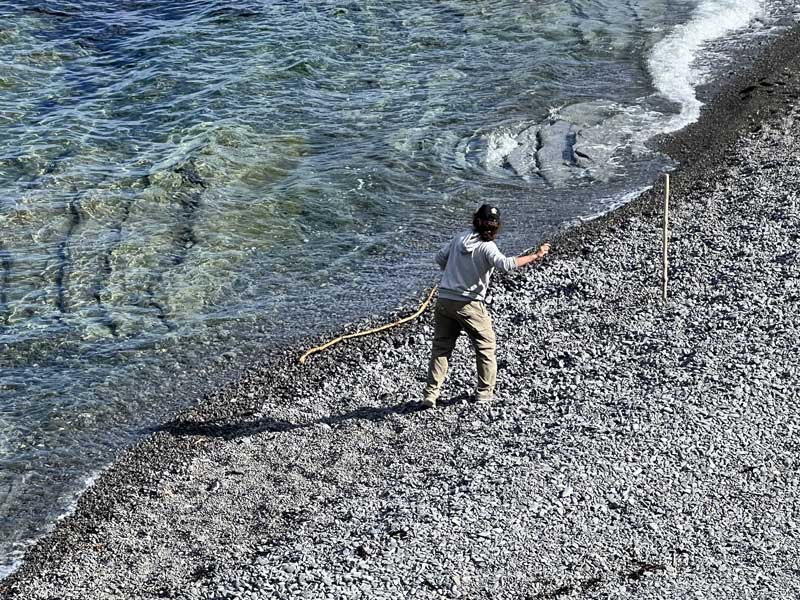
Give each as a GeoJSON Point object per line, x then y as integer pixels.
{"type": "Point", "coordinates": [526, 260]}
{"type": "Point", "coordinates": [543, 249]}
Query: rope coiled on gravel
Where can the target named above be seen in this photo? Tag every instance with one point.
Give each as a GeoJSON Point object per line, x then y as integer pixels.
{"type": "Point", "coordinates": [342, 338]}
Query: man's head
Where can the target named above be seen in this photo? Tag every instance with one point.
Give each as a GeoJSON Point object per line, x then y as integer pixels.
{"type": "Point", "coordinates": [486, 222]}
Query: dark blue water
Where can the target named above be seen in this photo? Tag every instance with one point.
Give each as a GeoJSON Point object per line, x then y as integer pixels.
{"type": "Point", "coordinates": [184, 183]}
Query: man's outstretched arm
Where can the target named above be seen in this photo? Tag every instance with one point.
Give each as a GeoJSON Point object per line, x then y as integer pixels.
{"type": "Point", "coordinates": [526, 260]}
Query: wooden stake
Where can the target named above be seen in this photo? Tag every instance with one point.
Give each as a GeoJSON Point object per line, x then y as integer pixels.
{"type": "Point", "coordinates": [666, 238]}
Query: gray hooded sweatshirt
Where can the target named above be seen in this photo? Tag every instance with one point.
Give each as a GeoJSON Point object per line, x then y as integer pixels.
{"type": "Point", "coordinates": [468, 263]}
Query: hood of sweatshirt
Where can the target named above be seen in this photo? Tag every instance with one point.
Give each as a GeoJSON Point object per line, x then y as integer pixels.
{"type": "Point", "coordinates": [469, 242]}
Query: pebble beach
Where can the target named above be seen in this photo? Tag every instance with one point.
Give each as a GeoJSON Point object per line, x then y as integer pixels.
{"type": "Point", "coordinates": [636, 448]}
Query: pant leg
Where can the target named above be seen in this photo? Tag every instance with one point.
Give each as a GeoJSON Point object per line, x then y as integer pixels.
{"type": "Point", "coordinates": [446, 331]}
{"type": "Point", "coordinates": [478, 324]}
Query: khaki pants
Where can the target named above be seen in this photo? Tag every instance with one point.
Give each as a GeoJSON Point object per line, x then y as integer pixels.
{"type": "Point", "coordinates": [451, 318]}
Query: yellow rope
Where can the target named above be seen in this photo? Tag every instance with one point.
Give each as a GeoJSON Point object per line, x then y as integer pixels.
{"type": "Point", "coordinates": [370, 331]}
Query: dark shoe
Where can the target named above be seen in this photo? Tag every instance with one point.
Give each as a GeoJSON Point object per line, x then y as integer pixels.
{"type": "Point", "coordinates": [429, 402]}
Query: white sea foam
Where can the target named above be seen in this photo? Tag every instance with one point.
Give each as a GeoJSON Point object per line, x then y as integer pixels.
{"type": "Point", "coordinates": [71, 499]}
{"type": "Point", "coordinates": [499, 144]}
{"type": "Point", "coordinates": [5, 571]}
{"type": "Point", "coordinates": [17, 550]}
{"type": "Point", "coordinates": [672, 61]}
{"type": "Point", "coordinates": [606, 133]}
{"type": "Point", "coordinates": [605, 206]}
{"type": "Point", "coordinates": [610, 132]}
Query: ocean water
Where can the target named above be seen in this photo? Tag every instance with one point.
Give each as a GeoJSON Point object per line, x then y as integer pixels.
{"type": "Point", "coordinates": [184, 184]}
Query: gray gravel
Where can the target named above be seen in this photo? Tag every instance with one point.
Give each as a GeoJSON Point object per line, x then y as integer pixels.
{"type": "Point", "coordinates": [634, 450]}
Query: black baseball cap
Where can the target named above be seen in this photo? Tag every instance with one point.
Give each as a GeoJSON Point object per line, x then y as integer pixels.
{"type": "Point", "coordinates": [487, 212]}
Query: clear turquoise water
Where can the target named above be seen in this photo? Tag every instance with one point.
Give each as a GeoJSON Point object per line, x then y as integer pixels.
{"type": "Point", "coordinates": [184, 180]}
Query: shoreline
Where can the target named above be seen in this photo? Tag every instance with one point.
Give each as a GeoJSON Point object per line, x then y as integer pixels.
{"type": "Point", "coordinates": [290, 392]}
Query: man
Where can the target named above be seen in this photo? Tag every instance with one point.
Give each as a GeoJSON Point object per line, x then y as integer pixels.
{"type": "Point", "coordinates": [468, 261]}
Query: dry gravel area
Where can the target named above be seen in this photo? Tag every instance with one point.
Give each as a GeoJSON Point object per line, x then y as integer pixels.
{"type": "Point", "coordinates": [635, 449]}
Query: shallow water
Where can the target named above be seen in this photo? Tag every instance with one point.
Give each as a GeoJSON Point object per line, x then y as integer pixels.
{"type": "Point", "coordinates": [183, 181]}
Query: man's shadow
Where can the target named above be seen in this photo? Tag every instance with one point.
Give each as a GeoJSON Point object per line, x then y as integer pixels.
{"type": "Point", "coordinates": [230, 429]}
